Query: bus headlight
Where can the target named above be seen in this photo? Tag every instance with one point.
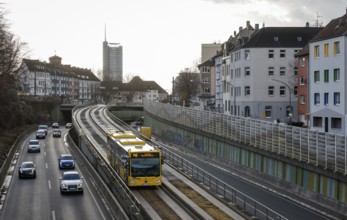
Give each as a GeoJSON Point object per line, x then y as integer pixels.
{"type": "Point", "coordinates": [132, 182]}
{"type": "Point", "coordinates": [158, 181]}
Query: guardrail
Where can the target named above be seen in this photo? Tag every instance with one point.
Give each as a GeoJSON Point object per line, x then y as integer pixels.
{"type": "Point", "coordinates": [6, 164]}
{"type": "Point", "coordinates": [240, 200]}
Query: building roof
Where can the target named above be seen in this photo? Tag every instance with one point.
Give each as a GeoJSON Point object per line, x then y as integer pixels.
{"type": "Point", "coordinates": [209, 62]}
{"type": "Point", "coordinates": [282, 37]}
{"type": "Point", "coordinates": [336, 28]}
{"type": "Point", "coordinates": [71, 71]}
{"type": "Point", "coordinates": [304, 51]}
{"type": "Point", "coordinates": [136, 84]}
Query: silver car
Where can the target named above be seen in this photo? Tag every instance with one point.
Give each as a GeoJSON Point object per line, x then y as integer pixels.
{"type": "Point", "coordinates": [34, 146]}
{"type": "Point", "coordinates": [71, 181]}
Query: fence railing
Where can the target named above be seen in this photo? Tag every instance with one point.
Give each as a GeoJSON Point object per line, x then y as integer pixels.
{"type": "Point", "coordinates": [236, 198]}
{"type": "Point", "coordinates": [321, 149]}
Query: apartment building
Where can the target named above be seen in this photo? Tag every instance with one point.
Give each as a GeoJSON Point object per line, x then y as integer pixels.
{"type": "Point", "coordinates": [327, 75]}
{"type": "Point", "coordinates": [72, 84]}
{"type": "Point", "coordinates": [260, 79]}
{"type": "Point", "coordinates": [303, 86]}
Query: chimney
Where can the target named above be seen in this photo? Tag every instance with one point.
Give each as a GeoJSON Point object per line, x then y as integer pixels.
{"type": "Point", "coordinates": [240, 29]}
{"type": "Point", "coordinates": [256, 27]}
{"type": "Point", "coordinates": [234, 33]}
{"type": "Point", "coordinates": [248, 23]}
{"type": "Point", "coordinates": [307, 24]}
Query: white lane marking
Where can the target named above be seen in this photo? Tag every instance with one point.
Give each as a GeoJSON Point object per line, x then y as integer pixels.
{"type": "Point", "coordinates": [49, 184]}
{"type": "Point", "coordinates": [53, 214]}
{"type": "Point", "coordinates": [46, 165]}
{"type": "Point", "coordinates": [45, 153]}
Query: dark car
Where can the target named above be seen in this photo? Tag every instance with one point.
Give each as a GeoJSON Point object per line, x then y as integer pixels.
{"type": "Point", "coordinates": [27, 169]}
{"type": "Point", "coordinates": [56, 133]}
{"type": "Point", "coordinates": [41, 134]}
{"type": "Point", "coordinates": [66, 161]}
{"type": "Point", "coordinates": [71, 181]}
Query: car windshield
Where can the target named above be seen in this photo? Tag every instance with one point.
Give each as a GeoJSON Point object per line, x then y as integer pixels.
{"type": "Point", "coordinates": [43, 127]}
{"type": "Point", "coordinates": [34, 142]}
{"type": "Point", "coordinates": [66, 157]}
{"type": "Point", "coordinates": [27, 165]}
{"type": "Point", "coordinates": [71, 176]}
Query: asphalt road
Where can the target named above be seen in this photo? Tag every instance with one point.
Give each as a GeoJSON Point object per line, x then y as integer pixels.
{"type": "Point", "coordinates": [40, 198]}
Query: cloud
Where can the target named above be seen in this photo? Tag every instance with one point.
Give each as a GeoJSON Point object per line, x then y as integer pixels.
{"type": "Point", "coordinates": [288, 12]}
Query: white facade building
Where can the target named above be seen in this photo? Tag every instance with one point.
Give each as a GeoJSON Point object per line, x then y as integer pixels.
{"type": "Point", "coordinates": [328, 81]}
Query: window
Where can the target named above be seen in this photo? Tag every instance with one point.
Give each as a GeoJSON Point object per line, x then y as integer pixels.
{"type": "Point", "coordinates": [302, 62]}
{"type": "Point", "coordinates": [302, 80]}
{"type": "Point", "coordinates": [206, 79]}
{"type": "Point", "coordinates": [206, 69]}
{"type": "Point", "coordinates": [302, 99]}
{"type": "Point", "coordinates": [337, 98]}
{"type": "Point", "coordinates": [247, 71]}
{"type": "Point", "coordinates": [295, 90]}
{"type": "Point", "coordinates": [326, 49]}
{"type": "Point", "coordinates": [247, 54]}
{"type": "Point", "coordinates": [268, 111]}
{"type": "Point", "coordinates": [336, 123]}
{"type": "Point", "coordinates": [336, 48]}
{"type": "Point", "coordinates": [271, 90]}
{"type": "Point", "coordinates": [271, 71]}
{"type": "Point", "coordinates": [231, 73]}
{"type": "Point", "coordinates": [316, 77]}
{"type": "Point", "coordinates": [326, 76]}
{"type": "Point", "coordinates": [282, 54]}
{"type": "Point", "coordinates": [271, 53]}
{"type": "Point", "coordinates": [316, 99]}
{"type": "Point", "coordinates": [295, 71]}
{"type": "Point", "coordinates": [226, 105]}
{"type": "Point", "coordinates": [316, 51]}
{"type": "Point", "coordinates": [282, 90]}
{"type": "Point", "coordinates": [326, 98]}
{"type": "Point", "coordinates": [247, 90]}
{"type": "Point", "coordinates": [336, 75]}
{"type": "Point", "coordinates": [282, 71]}
{"type": "Point", "coordinates": [317, 121]}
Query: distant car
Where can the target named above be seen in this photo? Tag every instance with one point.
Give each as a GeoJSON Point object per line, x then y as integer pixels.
{"type": "Point", "coordinates": [68, 125]}
{"type": "Point", "coordinates": [56, 133]}
{"type": "Point", "coordinates": [66, 161]}
{"type": "Point", "coordinates": [27, 169]}
{"type": "Point", "coordinates": [71, 181]}
{"type": "Point", "coordinates": [44, 127]}
{"type": "Point", "coordinates": [41, 134]}
{"type": "Point", "coordinates": [55, 125]}
{"type": "Point", "coordinates": [34, 146]}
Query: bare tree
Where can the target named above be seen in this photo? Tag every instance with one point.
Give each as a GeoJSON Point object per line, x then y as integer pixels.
{"type": "Point", "coordinates": [12, 112]}
{"type": "Point", "coordinates": [187, 86]}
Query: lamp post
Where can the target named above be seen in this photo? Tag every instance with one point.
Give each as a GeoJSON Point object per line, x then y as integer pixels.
{"type": "Point", "coordinates": [290, 98]}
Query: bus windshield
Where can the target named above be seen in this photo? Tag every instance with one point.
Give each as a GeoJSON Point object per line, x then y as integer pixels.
{"type": "Point", "coordinates": [145, 167]}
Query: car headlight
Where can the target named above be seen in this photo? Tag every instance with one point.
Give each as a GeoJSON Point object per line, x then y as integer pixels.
{"type": "Point", "coordinates": [80, 185]}
{"type": "Point", "coordinates": [63, 185]}
{"type": "Point", "coordinates": [20, 170]}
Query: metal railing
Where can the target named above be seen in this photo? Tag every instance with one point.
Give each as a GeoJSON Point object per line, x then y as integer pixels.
{"type": "Point", "coordinates": [238, 199]}
{"type": "Point", "coordinates": [320, 149]}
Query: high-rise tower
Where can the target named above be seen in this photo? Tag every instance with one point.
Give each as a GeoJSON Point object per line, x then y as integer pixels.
{"type": "Point", "coordinates": [112, 61]}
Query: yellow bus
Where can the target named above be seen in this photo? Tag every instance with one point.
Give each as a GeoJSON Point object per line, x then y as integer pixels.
{"type": "Point", "coordinates": [135, 161]}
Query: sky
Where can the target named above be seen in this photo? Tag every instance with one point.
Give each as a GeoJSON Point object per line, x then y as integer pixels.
{"type": "Point", "coordinates": [160, 38]}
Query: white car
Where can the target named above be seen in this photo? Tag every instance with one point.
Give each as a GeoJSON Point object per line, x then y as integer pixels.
{"type": "Point", "coordinates": [34, 146]}
{"type": "Point", "coordinates": [71, 181]}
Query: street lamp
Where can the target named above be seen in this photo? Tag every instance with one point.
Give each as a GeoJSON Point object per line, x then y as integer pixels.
{"type": "Point", "coordinates": [290, 98]}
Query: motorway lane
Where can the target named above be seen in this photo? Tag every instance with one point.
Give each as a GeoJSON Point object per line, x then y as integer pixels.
{"type": "Point", "coordinates": [275, 202]}
{"type": "Point", "coordinates": [40, 198]}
